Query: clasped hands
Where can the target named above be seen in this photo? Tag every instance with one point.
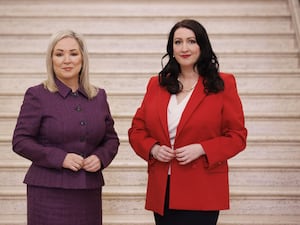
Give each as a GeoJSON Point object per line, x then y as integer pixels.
{"type": "Point", "coordinates": [76, 162]}
{"type": "Point", "coordinates": [183, 155]}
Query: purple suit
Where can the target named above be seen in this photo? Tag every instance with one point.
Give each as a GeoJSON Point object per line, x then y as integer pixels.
{"type": "Point", "coordinates": [50, 125]}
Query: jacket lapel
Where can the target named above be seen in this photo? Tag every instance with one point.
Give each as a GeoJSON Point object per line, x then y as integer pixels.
{"type": "Point", "coordinates": [195, 100]}
{"type": "Point", "coordinates": [162, 105]}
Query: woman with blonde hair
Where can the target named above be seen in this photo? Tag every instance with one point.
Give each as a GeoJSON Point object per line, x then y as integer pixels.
{"type": "Point", "coordinates": [66, 130]}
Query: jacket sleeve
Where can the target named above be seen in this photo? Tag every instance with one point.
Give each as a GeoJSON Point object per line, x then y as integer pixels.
{"type": "Point", "coordinates": [139, 137]}
{"type": "Point", "coordinates": [108, 147]}
{"type": "Point", "coordinates": [234, 133]}
{"type": "Point", "coordinates": [24, 140]}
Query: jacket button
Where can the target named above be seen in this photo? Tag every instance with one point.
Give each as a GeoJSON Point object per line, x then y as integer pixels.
{"type": "Point", "coordinates": [82, 123]}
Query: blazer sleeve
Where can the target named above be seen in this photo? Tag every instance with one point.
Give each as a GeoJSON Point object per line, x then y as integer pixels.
{"type": "Point", "coordinates": [108, 147]}
{"type": "Point", "coordinates": [139, 137]}
{"type": "Point", "coordinates": [24, 140]}
{"type": "Point", "coordinates": [234, 133]}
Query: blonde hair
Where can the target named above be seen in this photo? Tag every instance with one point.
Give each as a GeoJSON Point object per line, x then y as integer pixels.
{"type": "Point", "coordinates": [84, 82]}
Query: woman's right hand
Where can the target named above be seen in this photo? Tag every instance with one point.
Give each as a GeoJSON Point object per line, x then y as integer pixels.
{"type": "Point", "coordinates": [73, 162]}
{"type": "Point", "coordinates": [162, 153]}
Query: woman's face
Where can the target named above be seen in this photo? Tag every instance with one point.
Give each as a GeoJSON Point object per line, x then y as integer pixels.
{"type": "Point", "coordinates": [185, 47]}
{"type": "Point", "coordinates": [67, 60]}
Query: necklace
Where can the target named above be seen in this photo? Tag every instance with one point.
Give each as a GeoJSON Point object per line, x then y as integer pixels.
{"type": "Point", "coordinates": [189, 89]}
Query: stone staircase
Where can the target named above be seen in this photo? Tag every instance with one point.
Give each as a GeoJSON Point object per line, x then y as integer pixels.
{"type": "Point", "coordinates": [257, 40]}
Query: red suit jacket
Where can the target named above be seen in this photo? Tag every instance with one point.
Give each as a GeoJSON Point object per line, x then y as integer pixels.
{"type": "Point", "coordinates": [216, 121]}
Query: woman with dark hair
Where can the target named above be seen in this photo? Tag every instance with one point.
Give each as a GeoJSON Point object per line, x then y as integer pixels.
{"type": "Point", "coordinates": [189, 124]}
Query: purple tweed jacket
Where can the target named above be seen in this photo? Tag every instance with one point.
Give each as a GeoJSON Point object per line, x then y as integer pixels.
{"type": "Point", "coordinates": [50, 125]}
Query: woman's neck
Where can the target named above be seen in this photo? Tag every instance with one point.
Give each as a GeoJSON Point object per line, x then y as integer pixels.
{"type": "Point", "coordinates": [188, 79]}
{"type": "Point", "coordinates": [188, 74]}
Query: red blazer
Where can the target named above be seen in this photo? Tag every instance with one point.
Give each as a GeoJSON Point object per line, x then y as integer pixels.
{"type": "Point", "coordinates": [216, 121]}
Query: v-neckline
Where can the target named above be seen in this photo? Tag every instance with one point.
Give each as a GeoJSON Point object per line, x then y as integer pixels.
{"type": "Point", "coordinates": [185, 98]}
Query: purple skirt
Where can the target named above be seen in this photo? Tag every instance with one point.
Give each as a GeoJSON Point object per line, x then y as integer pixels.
{"type": "Point", "coordinates": [49, 206]}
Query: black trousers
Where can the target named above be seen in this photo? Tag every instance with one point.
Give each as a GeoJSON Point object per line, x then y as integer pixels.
{"type": "Point", "coordinates": [185, 217]}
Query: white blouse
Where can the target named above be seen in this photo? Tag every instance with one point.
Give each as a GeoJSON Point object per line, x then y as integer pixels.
{"type": "Point", "coordinates": [175, 111]}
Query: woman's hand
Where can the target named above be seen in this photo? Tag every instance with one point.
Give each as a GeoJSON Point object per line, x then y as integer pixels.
{"type": "Point", "coordinates": [76, 162]}
{"type": "Point", "coordinates": [73, 162]}
{"type": "Point", "coordinates": [162, 153]}
{"type": "Point", "coordinates": [189, 153]}
{"type": "Point", "coordinates": [92, 163]}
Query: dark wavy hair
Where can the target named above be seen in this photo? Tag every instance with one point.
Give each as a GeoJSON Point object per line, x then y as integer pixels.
{"type": "Point", "coordinates": [207, 64]}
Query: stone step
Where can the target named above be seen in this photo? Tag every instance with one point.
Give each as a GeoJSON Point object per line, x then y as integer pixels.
{"type": "Point", "coordinates": [294, 139]}
{"type": "Point", "coordinates": [241, 172]}
{"type": "Point", "coordinates": [245, 72]}
{"type": "Point", "coordinates": [223, 220]}
{"type": "Point", "coordinates": [258, 125]}
{"type": "Point", "coordinates": [148, 219]}
{"type": "Point", "coordinates": [282, 126]}
{"type": "Point", "coordinates": [255, 105]}
{"type": "Point", "coordinates": [127, 63]}
{"type": "Point", "coordinates": [273, 150]}
{"type": "Point", "coordinates": [113, 8]}
{"type": "Point", "coordinates": [150, 44]}
{"type": "Point", "coordinates": [126, 104]}
{"type": "Point", "coordinates": [13, 85]}
{"type": "Point", "coordinates": [125, 172]}
{"type": "Point", "coordinates": [255, 150]}
{"type": "Point", "coordinates": [140, 25]}
{"type": "Point", "coordinates": [244, 200]}
{"type": "Point", "coordinates": [251, 81]}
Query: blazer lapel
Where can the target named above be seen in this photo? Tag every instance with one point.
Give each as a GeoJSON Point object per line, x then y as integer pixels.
{"type": "Point", "coordinates": [196, 98]}
{"type": "Point", "coordinates": [162, 105]}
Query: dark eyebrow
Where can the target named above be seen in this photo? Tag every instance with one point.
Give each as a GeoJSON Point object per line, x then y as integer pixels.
{"type": "Point", "coordinates": [186, 38]}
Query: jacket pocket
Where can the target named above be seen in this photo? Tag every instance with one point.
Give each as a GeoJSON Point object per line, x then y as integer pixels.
{"type": "Point", "coordinates": [221, 167]}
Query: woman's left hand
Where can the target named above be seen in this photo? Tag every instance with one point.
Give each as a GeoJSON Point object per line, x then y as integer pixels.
{"type": "Point", "coordinates": [92, 164]}
{"type": "Point", "coordinates": [188, 153]}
